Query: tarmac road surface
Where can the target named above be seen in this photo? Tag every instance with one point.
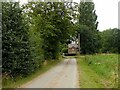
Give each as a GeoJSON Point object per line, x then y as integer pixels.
{"type": "Point", "coordinates": [64, 75]}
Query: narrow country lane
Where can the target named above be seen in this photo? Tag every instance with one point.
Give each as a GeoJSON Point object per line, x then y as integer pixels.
{"type": "Point", "coordinates": [64, 75]}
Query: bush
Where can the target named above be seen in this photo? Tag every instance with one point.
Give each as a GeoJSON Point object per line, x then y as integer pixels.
{"type": "Point", "coordinates": [21, 51]}
{"type": "Point", "coordinates": [64, 50]}
{"type": "Point", "coordinates": [16, 49]}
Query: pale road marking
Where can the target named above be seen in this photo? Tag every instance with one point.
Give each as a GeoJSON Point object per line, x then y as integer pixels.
{"type": "Point", "coordinates": [64, 75]}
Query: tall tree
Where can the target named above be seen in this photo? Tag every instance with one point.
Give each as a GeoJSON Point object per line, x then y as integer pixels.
{"type": "Point", "coordinates": [89, 39]}
{"type": "Point", "coordinates": [54, 24]}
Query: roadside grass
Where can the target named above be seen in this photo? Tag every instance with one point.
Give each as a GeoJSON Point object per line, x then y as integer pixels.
{"type": "Point", "coordinates": [87, 77]}
{"type": "Point", "coordinates": [19, 81]}
{"type": "Point", "coordinates": [98, 71]}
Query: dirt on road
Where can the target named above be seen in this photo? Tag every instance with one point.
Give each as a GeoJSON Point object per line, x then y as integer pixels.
{"type": "Point", "coordinates": [64, 75]}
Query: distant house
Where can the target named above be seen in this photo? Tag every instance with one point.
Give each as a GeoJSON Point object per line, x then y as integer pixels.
{"type": "Point", "coordinates": [72, 48]}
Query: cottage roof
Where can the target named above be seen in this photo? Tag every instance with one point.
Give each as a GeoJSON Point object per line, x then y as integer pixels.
{"type": "Point", "coordinates": [72, 45]}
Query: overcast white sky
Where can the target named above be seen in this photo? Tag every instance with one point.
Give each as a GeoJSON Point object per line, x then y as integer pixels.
{"type": "Point", "coordinates": [107, 11]}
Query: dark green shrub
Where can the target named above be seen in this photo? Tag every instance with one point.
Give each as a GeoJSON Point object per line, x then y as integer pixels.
{"type": "Point", "coordinates": [64, 50]}
{"type": "Point", "coordinates": [15, 49]}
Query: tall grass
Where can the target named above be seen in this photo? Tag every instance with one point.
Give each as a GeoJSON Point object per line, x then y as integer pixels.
{"type": "Point", "coordinates": [87, 77]}
{"type": "Point", "coordinates": [106, 66]}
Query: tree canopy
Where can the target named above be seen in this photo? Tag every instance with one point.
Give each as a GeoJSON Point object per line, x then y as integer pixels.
{"type": "Point", "coordinates": [110, 40]}
{"type": "Point", "coordinates": [87, 28]}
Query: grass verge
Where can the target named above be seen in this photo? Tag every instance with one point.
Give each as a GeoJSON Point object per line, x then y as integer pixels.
{"type": "Point", "coordinates": [98, 71]}
{"type": "Point", "coordinates": [87, 77]}
{"type": "Point", "coordinates": [20, 81]}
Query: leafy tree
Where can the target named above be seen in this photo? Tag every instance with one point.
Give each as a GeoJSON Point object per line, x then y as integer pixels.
{"type": "Point", "coordinates": [110, 40]}
{"type": "Point", "coordinates": [118, 41]}
{"type": "Point", "coordinates": [54, 24]}
{"type": "Point", "coordinates": [87, 28]}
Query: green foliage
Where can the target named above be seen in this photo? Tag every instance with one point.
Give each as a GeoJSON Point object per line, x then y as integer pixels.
{"type": "Point", "coordinates": [98, 71]}
{"type": "Point", "coordinates": [87, 27]}
{"type": "Point", "coordinates": [105, 66]}
{"type": "Point", "coordinates": [36, 51]}
{"type": "Point", "coordinates": [64, 50]}
{"type": "Point", "coordinates": [33, 33]}
{"type": "Point", "coordinates": [88, 77]}
{"type": "Point", "coordinates": [110, 40]}
{"type": "Point", "coordinates": [118, 41]}
{"type": "Point", "coordinates": [53, 22]}
{"type": "Point", "coordinates": [15, 48]}
{"type": "Point", "coordinates": [88, 15]}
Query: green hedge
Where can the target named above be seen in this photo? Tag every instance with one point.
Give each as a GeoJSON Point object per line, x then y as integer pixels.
{"type": "Point", "coordinates": [21, 51]}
